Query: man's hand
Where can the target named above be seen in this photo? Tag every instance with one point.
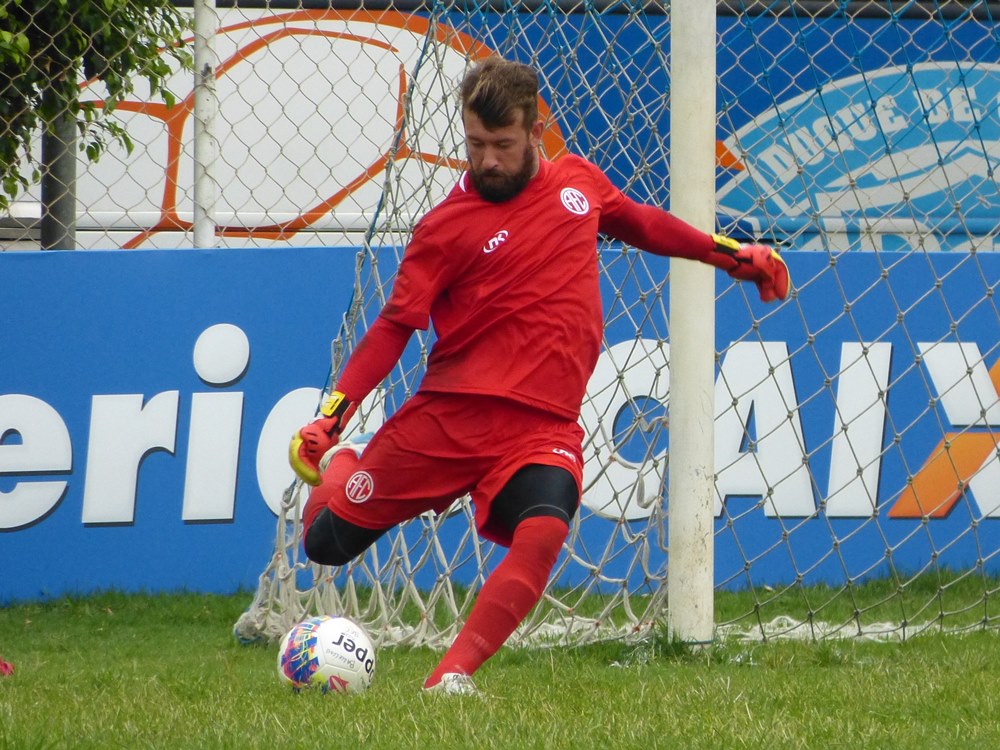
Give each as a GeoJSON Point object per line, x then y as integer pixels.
{"type": "Point", "coordinates": [319, 436]}
{"type": "Point", "coordinates": [761, 264]}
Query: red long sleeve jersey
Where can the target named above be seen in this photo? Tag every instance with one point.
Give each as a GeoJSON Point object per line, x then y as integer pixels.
{"type": "Point", "coordinates": [512, 288]}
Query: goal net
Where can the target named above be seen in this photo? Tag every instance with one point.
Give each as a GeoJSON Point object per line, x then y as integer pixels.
{"type": "Point", "coordinates": [857, 473]}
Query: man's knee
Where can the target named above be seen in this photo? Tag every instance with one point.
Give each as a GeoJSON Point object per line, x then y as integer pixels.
{"type": "Point", "coordinates": [330, 540]}
{"type": "Point", "coordinates": [536, 490]}
{"type": "Point", "coordinates": [320, 542]}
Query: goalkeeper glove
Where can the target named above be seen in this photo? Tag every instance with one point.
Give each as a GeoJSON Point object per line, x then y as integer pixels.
{"type": "Point", "coordinates": [319, 436]}
{"type": "Point", "coordinates": [761, 264]}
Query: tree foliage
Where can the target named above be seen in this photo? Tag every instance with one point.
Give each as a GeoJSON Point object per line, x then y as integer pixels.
{"type": "Point", "coordinates": [48, 45]}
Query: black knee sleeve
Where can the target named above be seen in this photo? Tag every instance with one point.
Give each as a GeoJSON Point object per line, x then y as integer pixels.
{"type": "Point", "coordinates": [536, 490]}
{"type": "Point", "coordinates": [331, 540]}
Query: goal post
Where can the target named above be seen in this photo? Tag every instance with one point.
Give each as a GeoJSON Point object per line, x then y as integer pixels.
{"type": "Point", "coordinates": [691, 490]}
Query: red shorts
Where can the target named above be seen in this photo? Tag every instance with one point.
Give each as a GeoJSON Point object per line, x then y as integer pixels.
{"type": "Point", "coordinates": [441, 446]}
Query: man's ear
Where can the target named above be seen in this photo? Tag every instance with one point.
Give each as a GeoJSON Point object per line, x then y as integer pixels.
{"type": "Point", "coordinates": [535, 135]}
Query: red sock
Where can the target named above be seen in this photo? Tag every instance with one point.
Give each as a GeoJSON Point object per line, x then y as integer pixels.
{"type": "Point", "coordinates": [507, 596]}
{"type": "Point", "coordinates": [341, 466]}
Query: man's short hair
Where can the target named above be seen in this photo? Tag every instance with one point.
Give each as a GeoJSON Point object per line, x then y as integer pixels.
{"type": "Point", "coordinates": [495, 90]}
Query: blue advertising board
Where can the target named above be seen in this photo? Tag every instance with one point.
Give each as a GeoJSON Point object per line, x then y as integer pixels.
{"type": "Point", "coordinates": [861, 133]}
{"type": "Point", "coordinates": [146, 400]}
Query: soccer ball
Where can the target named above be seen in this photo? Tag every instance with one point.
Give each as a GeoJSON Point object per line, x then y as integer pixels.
{"type": "Point", "coordinates": [333, 654]}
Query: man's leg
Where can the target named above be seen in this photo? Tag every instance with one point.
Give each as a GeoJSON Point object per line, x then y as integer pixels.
{"type": "Point", "coordinates": [333, 541]}
{"type": "Point", "coordinates": [537, 503]}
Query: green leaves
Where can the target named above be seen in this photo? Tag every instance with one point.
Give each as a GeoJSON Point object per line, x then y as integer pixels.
{"type": "Point", "coordinates": [13, 46]}
{"type": "Point", "coordinates": [52, 44]}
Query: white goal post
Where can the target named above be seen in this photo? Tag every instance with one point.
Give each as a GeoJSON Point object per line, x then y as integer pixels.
{"type": "Point", "coordinates": [690, 574]}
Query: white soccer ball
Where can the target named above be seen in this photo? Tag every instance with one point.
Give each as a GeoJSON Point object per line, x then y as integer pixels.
{"type": "Point", "coordinates": [332, 654]}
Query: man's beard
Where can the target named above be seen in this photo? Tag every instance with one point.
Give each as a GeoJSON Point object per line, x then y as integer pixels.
{"type": "Point", "coordinates": [497, 187]}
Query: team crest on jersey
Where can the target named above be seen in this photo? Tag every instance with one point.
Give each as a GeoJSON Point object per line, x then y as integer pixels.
{"type": "Point", "coordinates": [574, 201]}
{"type": "Point", "coordinates": [360, 486]}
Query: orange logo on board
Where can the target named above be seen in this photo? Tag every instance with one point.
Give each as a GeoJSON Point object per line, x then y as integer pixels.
{"type": "Point", "coordinates": [952, 466]}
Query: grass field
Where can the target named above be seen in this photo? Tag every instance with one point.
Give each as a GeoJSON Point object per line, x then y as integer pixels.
{"type": "Point", "coordinates": [164, 671]}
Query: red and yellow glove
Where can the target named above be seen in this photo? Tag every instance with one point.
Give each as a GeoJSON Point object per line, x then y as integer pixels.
{"type": "Point", "coordinates": [761, 264]}
{"type": "Point", "coordinates": [319, 436]}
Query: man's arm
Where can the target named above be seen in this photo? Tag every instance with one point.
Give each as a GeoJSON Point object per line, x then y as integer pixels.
{"type": "Point", "coordinates": [372, 360]}
{"type": "Point", "coordinates": [660, 232]}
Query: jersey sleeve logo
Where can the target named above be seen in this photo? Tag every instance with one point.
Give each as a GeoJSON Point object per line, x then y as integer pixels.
{"type": "Point", "coordinates": [574, 201]}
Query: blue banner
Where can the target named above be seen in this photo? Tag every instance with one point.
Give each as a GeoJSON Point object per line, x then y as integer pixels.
{"type": "Point", "coordinates": [146, 400]}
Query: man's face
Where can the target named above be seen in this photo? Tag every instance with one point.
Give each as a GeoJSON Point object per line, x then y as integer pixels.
{"type": "Point", "coordinates": [501, 160]}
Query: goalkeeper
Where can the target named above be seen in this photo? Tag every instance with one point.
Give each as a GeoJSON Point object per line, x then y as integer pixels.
{"type": "Point", "coordinates": [506, 270]}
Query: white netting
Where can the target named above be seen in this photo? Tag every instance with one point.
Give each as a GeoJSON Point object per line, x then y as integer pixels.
{"type": "Point", "coordinates": [847, 129]}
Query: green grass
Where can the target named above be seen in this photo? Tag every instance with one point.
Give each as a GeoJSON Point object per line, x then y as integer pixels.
{"type": "Point", "coordinates": [164, 671]}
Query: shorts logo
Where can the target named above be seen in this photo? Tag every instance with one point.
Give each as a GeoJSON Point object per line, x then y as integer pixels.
{"type": "Point", "coordinates": [496, 241]}
{"type": "Point", "coordinates": [360, 486]}
{"type": "Point", "coordinates": [574, 201]}
{"type": "Point", "coordinates": [566, 453]}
